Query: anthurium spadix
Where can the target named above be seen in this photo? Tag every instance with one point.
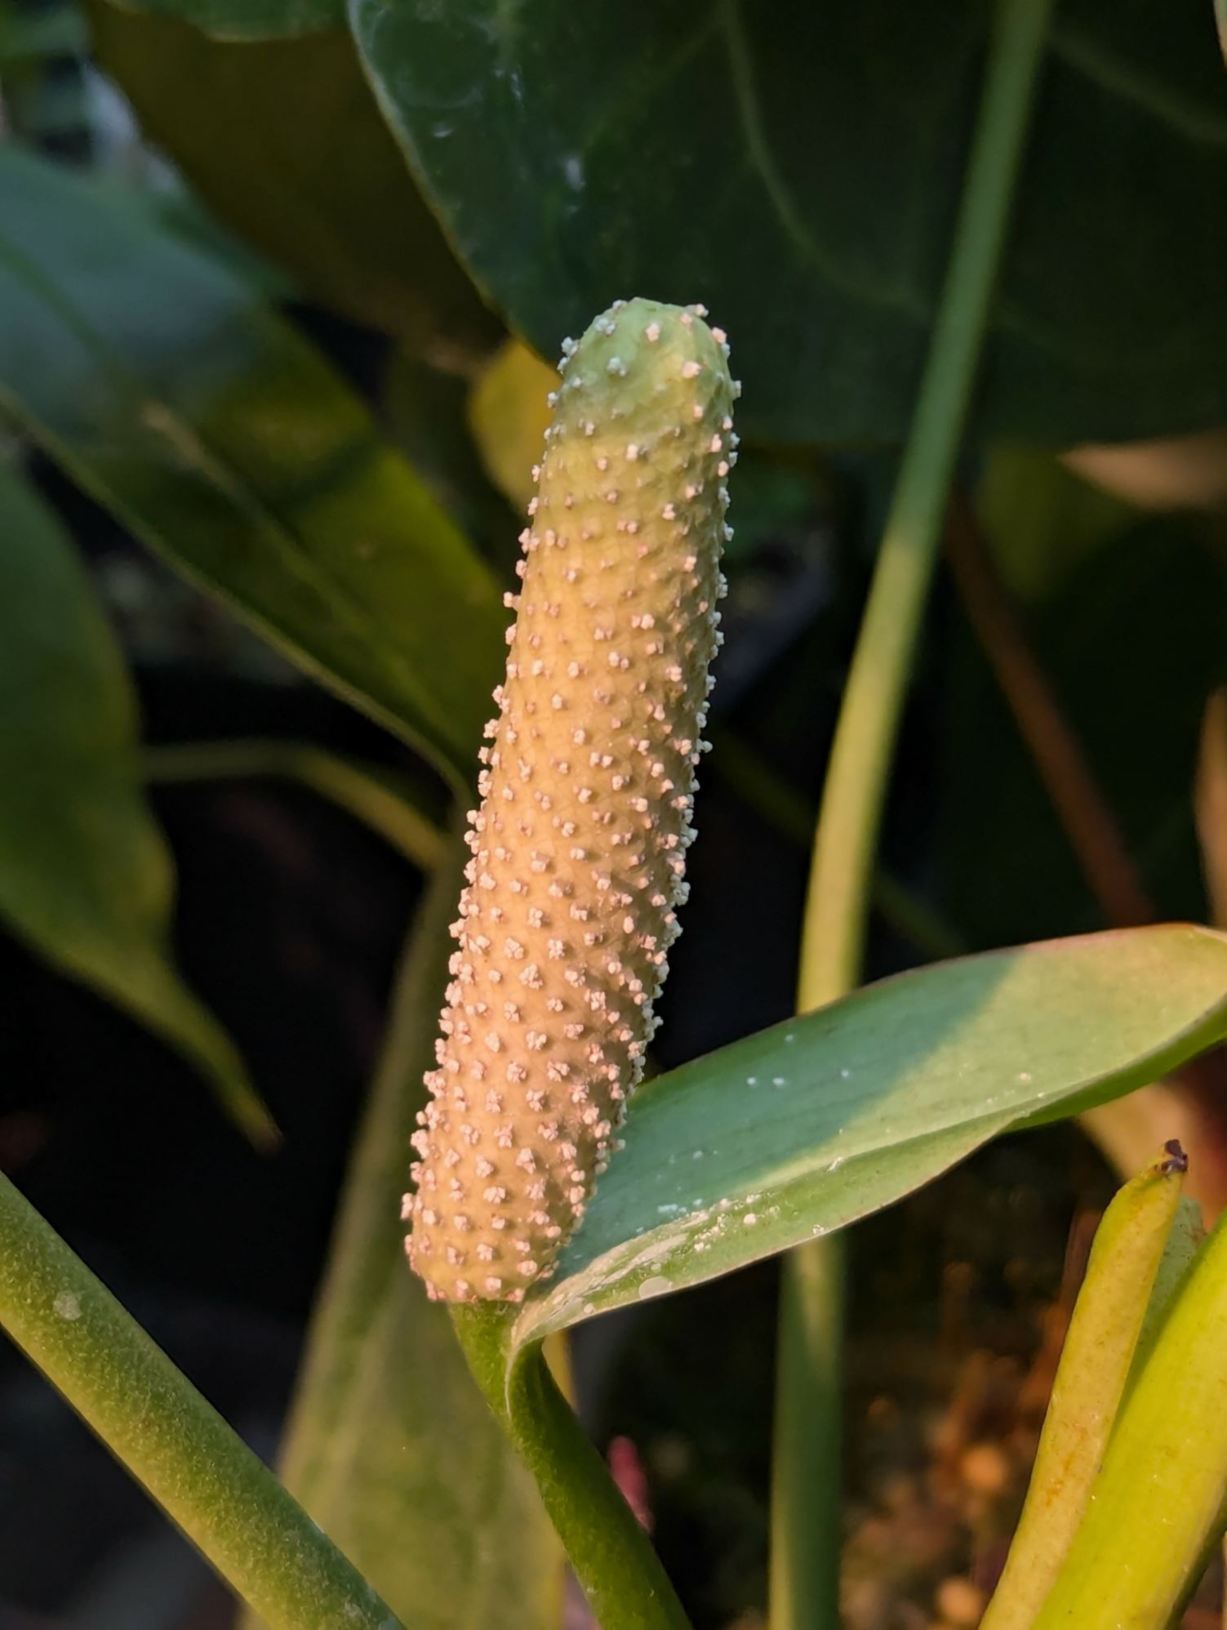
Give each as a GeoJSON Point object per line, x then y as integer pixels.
{"type": "Point", "coordinates": [579, 844]}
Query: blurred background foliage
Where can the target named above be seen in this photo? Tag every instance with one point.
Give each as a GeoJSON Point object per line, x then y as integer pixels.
{"type": "Point", "coordinates": [280, 286]}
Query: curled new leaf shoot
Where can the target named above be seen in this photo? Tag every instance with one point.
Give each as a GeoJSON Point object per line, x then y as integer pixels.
{"type": "Point", "coordinates": [1100, 1347]}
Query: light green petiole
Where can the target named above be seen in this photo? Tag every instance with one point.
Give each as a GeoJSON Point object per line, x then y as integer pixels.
{"type": "Point", "coordinates": [805, 1499]}
{"type": "Point", "coordinates": [613, 1558]}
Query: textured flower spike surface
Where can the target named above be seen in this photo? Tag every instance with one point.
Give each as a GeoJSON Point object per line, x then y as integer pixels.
{"type": "Point", "coordinates": [578, 848]}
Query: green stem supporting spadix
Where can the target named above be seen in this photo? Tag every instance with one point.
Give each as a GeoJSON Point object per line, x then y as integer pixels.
{"type": "Point", "coordinates": [806, 1492]}
{"type": "Point", "coordinates": [613, 1558]}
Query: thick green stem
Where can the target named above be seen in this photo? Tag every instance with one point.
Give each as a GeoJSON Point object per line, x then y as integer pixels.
{"type": "Point", "coordinates": [150, 1417]}
{"type": "Point", "coordinates": [612, 1557]}
{"type": "Point", "coordinates": [806, 1493]}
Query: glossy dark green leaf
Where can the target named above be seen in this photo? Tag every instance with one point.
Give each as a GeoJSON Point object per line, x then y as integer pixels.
{"type": "Point", "coordinates": [390, 1446]}
{"type": "Point", "coordinates": [796, 166]}
{"type": "Point", "coordinates": [224, 440]}
{"type": "Point", "coordinates": [34, 35]}
{"type": "Point", "coordinates": [284, 142]}
{"type": "Point", "coordinates": [248, 19]}
{"type": "Point", "coordinates": [85, 876]}
{"type": "Point", "coordinates": [803, 1128]}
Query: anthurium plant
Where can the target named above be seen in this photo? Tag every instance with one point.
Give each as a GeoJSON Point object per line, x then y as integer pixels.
{"type": "Point", "coordinates": [968, 268]}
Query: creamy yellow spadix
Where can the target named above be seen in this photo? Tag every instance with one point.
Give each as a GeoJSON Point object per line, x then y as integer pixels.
{"type": "Point", "coordinates": [579, 845]}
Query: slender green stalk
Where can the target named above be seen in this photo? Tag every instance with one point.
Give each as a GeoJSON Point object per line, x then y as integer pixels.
{"type": "Point", "coordinates": [612, 1557]}
{"type": "Point", "coordinates": [381, 798]}
{"type": "Point", "coordinates": [805, 1479]}
{"type": "Point", "coordinates": [865, 737]}
{"type": "Point", "coordinates": [806, 1490]}
{"type": "Point", "coordinates": [150, 1417]}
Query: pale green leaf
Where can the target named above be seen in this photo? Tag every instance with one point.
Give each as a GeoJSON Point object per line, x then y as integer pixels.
{"type": "Point", "coordinates": [805, 1127]}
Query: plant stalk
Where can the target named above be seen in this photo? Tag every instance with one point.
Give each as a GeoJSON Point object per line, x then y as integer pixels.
{"type": "Point", "coordinates": [382, 799]}
{"type": "Point", "coordinates": [806, 1478]}
{"type": "Point", "coordinates": [154, 1421]}
{"type": "Point", "coordinates": [613, 1558]}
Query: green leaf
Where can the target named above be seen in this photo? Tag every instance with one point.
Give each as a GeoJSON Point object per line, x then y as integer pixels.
{"type": "Point", "coordinates": [391, 1447]}
{"type": "Point", "coordinates": [329, 196]}
{"type": "Point", "coordinates": [248, 19]}
{"type": "Point", "coordinates": [85, 876]}
{"type": "Point", "coordinates": [32, 36]}
{"type": "Point", "coordinates": [805, 1127]}
{"type": "Point", "coordinates": [176, 398]}
{"type": "Point", "coordinates": [797, 166]}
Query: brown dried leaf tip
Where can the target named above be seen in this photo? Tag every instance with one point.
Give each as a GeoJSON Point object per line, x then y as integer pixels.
{"type": "Point", "coordinates": [579, 846]}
